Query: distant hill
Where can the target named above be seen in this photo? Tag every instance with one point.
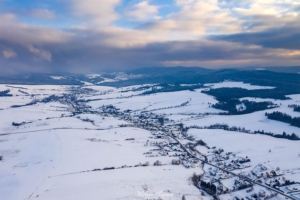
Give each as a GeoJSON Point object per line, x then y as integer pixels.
{"type": "Point", "coordinates": [169, 70]}
{"type": "Point", "coordinates": [283, 83]}
{"type": "Point", "coordinates": [49, 79]}
{"type": "Point", "coordinates": [294, 69]}
{"type": "Point", "coordinates": [282, 78]}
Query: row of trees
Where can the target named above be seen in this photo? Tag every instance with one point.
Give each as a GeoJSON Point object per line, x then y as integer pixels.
{"type": "Point", "coordinates": [226, 127]}
{"type": "Point", "coordinates": [225, 94]}
{"type": "Point", "coordinates": [169, 107]}
{"type": "Point", "coordinates": [284, 135]}
{"type": "Point", "coordinates": [5, 93]}
{"type": "Point", "coordinates": [235, 106]}
{"type": "Point", "coordinates": [282, 117]}
{"type": "Point", "coordinates": [164, 87]}
{"type": "Point", "coordinates": [296, 107]}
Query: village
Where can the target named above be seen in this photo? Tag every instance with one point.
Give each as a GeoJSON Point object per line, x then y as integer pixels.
{"type": "Point", "coordinates": [227, 176]}
{"type": "Point", "coordinates": [224, 172]}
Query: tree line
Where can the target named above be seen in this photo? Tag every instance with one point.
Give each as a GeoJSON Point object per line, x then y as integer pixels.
{"type": "Point", "coordinates": [282, 117]}
{"type": "Point", "coordinates": [232, 106]}
{"type": "Point", "coordinates": [226, 127]}
{"type": "Point", "coordinates": [295, 107]}
{"type": "Point", "coordinates": [5, 93]}
{"type": "Point", "coordinates": [164, 87]}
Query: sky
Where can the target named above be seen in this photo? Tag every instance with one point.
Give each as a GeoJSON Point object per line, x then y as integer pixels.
{"type": "Point", "coordinates": [95, 35]}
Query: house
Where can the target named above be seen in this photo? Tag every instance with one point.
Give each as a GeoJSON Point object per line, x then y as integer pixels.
{"type": "Point", "coordinates": [269, 174]}
{"type": "Point", "coordinates": [238, 197]}
{"type": "Point", "coordinates": [186, 164]}
{"type": "Point", "coordinates": [207, 186]}
{"type": "Point", "coordinates": [249, 197]}
{"type": "Point", "coordinates": [213, 171]}
{"type": "Point", "coordinates": [157, 163]}
{"type": "Point", "coordinates": [261, 193]}
{"type": "Point", "coordinates": [280, 181]}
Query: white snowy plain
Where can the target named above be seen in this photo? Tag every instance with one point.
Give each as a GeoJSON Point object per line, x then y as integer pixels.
{"type": "Point", "coordinates": [44, 160]}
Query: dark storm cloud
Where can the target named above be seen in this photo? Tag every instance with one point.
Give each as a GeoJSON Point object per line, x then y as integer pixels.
{"type": "Point", "coordinates": [286, 35]}
{"type": "Point", "coordinates": [288, 38]}
{"type": "Point", "coordinates": [86, 51]}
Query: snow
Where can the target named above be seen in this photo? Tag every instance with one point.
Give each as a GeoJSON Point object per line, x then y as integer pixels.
{"type": "Point", "coordinates": [253, 121]}
{"type": "Point", "coordinates": [56, 169]}
{"type": "Point", "coordinates": [53, 157]}
{"type": "Point", "coordinates": [295, 99]}
{"type": "Point", "coordinates": [240, 107]}
{"type": "Point", "coordinates": [57, 77]}
{"type": "Point", "coordinates": [27, 159]}
{"type": "Point", "coordinates": [99, 88]}
{"type": "Point", "coordinates": [87, 83]}
{"type": "Point", "coordinates": [34, 89]}
{"type": "Point", "coordinates": [93, 75]}
{"type": "Point", "coordinates": [29, 113]}
{"type": "Point", "coordinates": [118, 184]}
{"type": "Point", "coordinates": [102, 122]}
{"type": "Point", "coordinates": [284, 153]}
{"type": "Point", "coordinates": [6, 102]}
{"type": "Point", "coordinates": [198, 102]}
{"type": "Point", "coordinates": [232, 84]}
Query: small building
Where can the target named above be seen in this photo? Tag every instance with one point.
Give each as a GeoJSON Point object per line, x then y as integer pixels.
{"type": "Point", "coordinates": [262, 193]}
{"type": "Point", "coordinates": [238, 197]}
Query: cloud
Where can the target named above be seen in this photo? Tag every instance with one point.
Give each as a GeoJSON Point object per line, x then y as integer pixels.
{"type": "Point", "coordinates": [20, 33]}
{"type": "Point", "coordinates": [100, 12]}
{"type": "Point", "coordinates": [212, 17]}
{"type": "Point", "coordinates": [43, 14]}
{"type": "Point", "coordinates": [7, 18]}
{"type": "Point", "coordinates": [82, 50]}
{"type": "Point", "coordinates": [262, 15]}
{"type": "Point", "coordinates": [285, 37]}
{"type": "Point", "coordinates": [42, 54]}
{"type": "Point", "coordinates": [208, 33]}
{"type": "Point", "coordinates": [122, 38]}
{"type": "Point", "coordinates": [142, 11]}
{"type": "Point", "coordinates": [9, 53]}
{"type": "Point", "coordinates": [196, 17]}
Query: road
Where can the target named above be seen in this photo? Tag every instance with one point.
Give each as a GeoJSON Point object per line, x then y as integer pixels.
{"type": "Point", "coordinates": [62, 128]}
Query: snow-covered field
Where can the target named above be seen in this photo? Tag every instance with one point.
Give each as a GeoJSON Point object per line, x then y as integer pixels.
{"type": "Point", "coordinates": [53, 161]}
{"type": "Point", "coordinates": [198, 102]}
{"type": "Point", "coordinates": [23, 94]}
{"type": "Point", "coordinates": [284, 153]}
{"type": "Point", "coordinates": [232, 84]}
{"type": "Point", "coordinates": [53, 156]}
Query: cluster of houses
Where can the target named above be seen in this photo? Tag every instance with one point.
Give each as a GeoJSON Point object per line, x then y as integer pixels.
{"type": "Point", "coordinates": [259, 195]}
{"type": "Point", "coordinates": [258, 171]}
{"type": "Point", "coordinates": [277, 181]}
{"type": "Point", "coordinates": [234, 184]}
{"type": "Point", "coordinates": [156, 123]}
{"type": "Point", "coordinates": [261, 171]}
{"type": "Point", "coordinates": [218, 187]}
{"type": "Point", "coordinates": [171, 148]}
{"type": "Point", "coordinates": [293, 188]}
{"type": "Point", "coordinates": [228, 160]}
